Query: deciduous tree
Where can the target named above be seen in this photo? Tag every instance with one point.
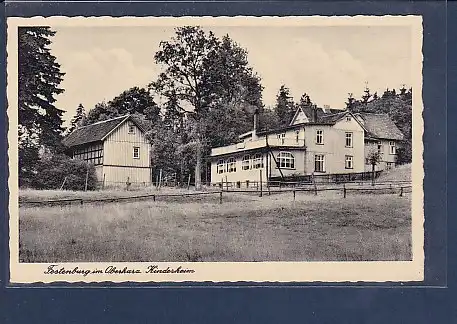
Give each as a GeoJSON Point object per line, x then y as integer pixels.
{"type": "Point", "coordinates": [208, 78]}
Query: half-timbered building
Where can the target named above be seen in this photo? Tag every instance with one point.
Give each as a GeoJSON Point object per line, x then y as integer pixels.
{"type": "Point", "coordinates": [117, 147]}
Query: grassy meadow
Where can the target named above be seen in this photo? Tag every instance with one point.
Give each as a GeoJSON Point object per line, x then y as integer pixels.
{"type": "Point", "coordinates": [326, 227]}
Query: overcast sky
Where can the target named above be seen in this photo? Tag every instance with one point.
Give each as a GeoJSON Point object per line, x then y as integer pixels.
{"type": "Point", "coordinates": [325, 62]}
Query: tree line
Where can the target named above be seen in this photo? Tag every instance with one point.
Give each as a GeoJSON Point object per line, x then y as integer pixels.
{"type": "Point", "coordinates": [204, 97]}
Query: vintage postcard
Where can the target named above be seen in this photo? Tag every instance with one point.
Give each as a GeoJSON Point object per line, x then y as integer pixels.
{"type": "Point", "coordinates": [215, 149]}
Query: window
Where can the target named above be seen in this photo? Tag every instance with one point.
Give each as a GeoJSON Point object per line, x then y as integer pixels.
{"type": "Point", "coordinates": [281, 138]}
{"type": "Point", "coordinates": [349, 163]}
{"type": "Point", "coordinates": [258, 161]}
{"type": "Point", "coordinates": [297, 135]}
{"type": "Point", "coordinates": [319, 163]}
{"type": "Point", "coordinates": [136, 152]}
{"type": "Point", "coordinates": [348, 139]}
{"type": "Point", "coordinates": [231, 165]}
{"type": "Point", "coordinates": [380, 147]}
{"type": "Point", "coordinates": [348, 118]}
{"type": "Point", "coordinates": [246, 162]}
{"type": "Point", "coordinates": [319, 136]}
{"type": "Point", "coordinates": [389, 165]}
{"type": "Point", "coordinates": [131, 128]}
{"type": "Point", "coordinates": [392, 148]}
{"type": "Point", "coordinates": [286, 160]}
{"type": "Point", "coordinates": [220, 166]}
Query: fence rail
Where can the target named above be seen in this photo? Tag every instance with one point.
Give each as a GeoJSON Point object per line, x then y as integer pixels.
{"type": "Point", "coordinates": [390, 188]}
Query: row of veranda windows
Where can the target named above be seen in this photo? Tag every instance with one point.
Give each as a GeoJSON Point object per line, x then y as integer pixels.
{"type": "Point", "coordinates": [285, 160]}
{"type": "Point", "coordinates": [248, 162]}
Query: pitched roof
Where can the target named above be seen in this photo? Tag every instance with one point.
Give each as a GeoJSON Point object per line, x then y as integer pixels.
{"type": "Point", "coordinates": [380, 126]}
{"type": "Point", "coordinates": [93, 132]}
{"type": "Point", "coordinates": [308, 111]}
{"type": "Point", "coordinates": [332, 118]}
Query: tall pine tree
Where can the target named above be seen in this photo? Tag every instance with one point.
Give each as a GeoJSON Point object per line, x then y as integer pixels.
{"type": "Point", "coordinates": [78, 119]}
{"type": "Point", "coordinates": [285, 107]}
{"type": "Point", "coordinates": [39, 77]}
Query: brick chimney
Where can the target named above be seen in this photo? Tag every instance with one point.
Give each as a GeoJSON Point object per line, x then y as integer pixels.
{"type": "Point", "coordinates": [314, 114]}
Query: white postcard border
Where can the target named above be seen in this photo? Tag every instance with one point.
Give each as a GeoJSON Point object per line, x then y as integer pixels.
{"type": "Point", "coordinates": [379, 271]}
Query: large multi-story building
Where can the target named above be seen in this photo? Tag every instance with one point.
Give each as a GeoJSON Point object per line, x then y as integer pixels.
{"type": "Point", "coordinates": [317, 141]}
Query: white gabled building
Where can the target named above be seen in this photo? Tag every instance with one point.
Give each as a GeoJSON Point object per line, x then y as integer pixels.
{"type": "Point", "coordinates": [317, 141]}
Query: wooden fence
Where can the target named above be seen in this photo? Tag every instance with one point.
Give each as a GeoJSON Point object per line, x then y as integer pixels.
{"type": "Point", "coordinates": [391, 188]}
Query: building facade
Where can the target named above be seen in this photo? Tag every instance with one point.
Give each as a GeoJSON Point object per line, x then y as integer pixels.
{"type": "Point", "coordinates": [116, 147]}
{"type": "Point", "coordinates": [316, 142]}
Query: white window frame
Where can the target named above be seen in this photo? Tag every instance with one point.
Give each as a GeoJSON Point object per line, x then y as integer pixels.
{"type": "Point", "coordinates": [320, 137]}
{"type": "Point", "coordinates": [131, 128]}
{"type": "Point", "coordinates": [281, 138]}
{"type": "Point", "coordinates": [321, 159]}
{"type": "Point", "coordinates": [349, 162]}
{"type": "Point", "coordinates": [392, 148]}
{"type": "Point", "coordinates": [246, 163]}
{"type": "Point", "coordinates": [136, 149]}
{"type": "Point", "coordinates": [351, 139]}
{"type": "Point", "coordinates": [286, 160]}
{"type": "Point", "coordinates": [231, 165]}
{"type": "Point", "coordinates": [220, 166]}
{"type": "Point", "coordinates": [380, 148]}
{"type": "Point", "coordinates": [257, 161]}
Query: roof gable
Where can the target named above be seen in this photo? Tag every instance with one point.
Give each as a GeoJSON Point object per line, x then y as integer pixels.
{"type": "Point", "coordinates": [299, 117]}
{"type": "Point", "coordinates": [97, 131]}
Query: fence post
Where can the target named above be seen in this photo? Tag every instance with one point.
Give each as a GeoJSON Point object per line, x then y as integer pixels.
{"type": "Point", "coordinates": [87, 177]}
{"type": "Point", "coordinates": [260, 182]}
{"type": "Point", "coordinates": [153, 197]}
{"type": "Point", "coordinates": [401, 192]}
{"type": "Point", "coordinates": [160, 178]}
{"type": "Point", "coordinates": [220, 197]}
{"type": "Point", "coordinates": [294, 193]}
{"type": "Point", "coordinates": [63, 183]}
{"type": "Point", "coordinates": [103, 186]}
{"type": "Point", "coordinates": [226, 183]}
{"type": "Point", "coordinates": [344, 190]}
{"type": "Point", "coordinates": [188, 182]}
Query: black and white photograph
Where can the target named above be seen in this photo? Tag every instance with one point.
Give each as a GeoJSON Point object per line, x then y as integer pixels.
{"type": "Point", "coordinates": [215, 149]}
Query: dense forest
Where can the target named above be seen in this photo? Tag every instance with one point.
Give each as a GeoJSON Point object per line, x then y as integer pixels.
{"type": "Point", "coordinates": [204, 97]}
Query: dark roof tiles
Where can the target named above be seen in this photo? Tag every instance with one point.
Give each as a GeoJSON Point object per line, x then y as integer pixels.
{"type": "Point", "coordinates": [92, 133]}
{"type": "Point", "coordinates": [380, 126]}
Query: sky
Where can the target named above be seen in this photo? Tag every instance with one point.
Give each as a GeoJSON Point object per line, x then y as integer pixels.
{"type": "Point", "coordinates": [325, 62]}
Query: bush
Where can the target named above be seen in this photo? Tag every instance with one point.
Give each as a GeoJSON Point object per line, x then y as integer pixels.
{"type": "Point", "coordinates": [52, 170]}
